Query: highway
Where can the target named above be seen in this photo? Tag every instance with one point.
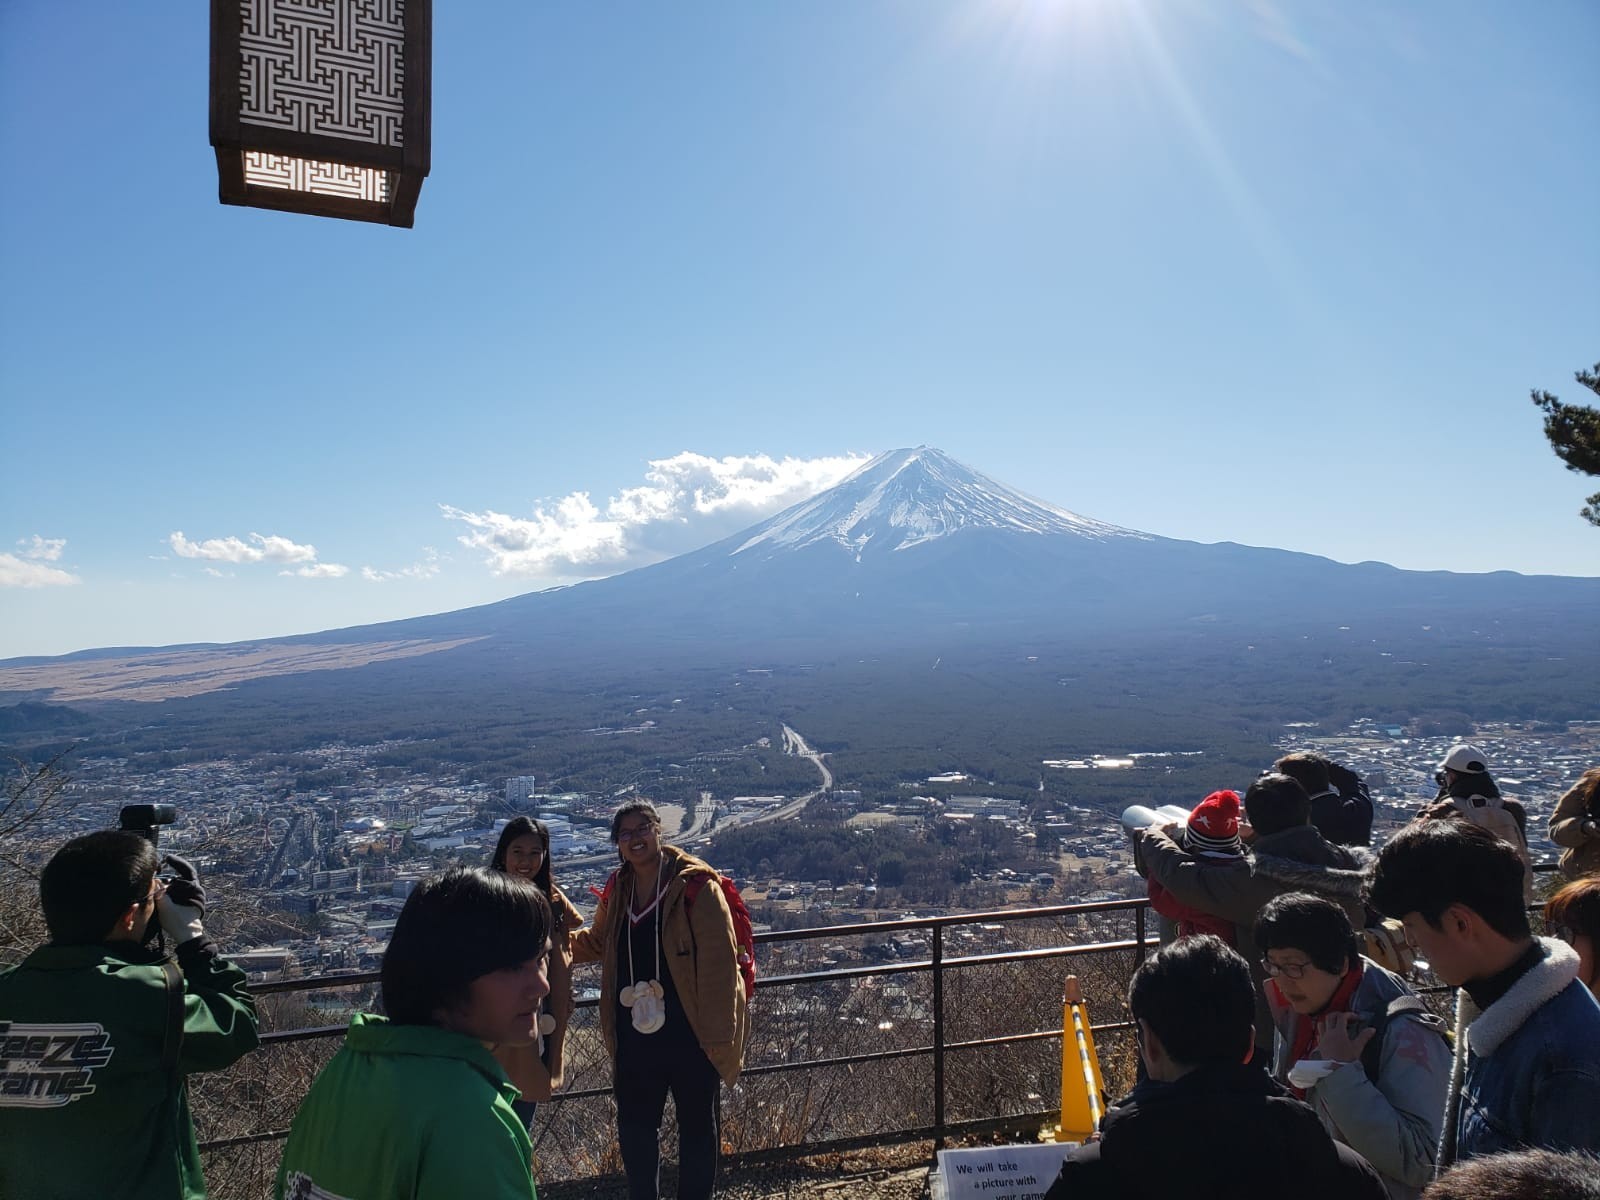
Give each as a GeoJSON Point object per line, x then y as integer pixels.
{"type": "Point", "coordinates": [793, 743]}
{"type": "Point", "coordinates": [701, 818]}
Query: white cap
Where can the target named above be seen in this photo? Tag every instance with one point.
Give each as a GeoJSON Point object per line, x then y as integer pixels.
{"type": "Point", "coordinates": [1465, 758]}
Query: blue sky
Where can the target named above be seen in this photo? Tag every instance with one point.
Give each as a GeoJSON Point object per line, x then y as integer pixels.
{"type": "Point", "coordinates": [1273, 273]}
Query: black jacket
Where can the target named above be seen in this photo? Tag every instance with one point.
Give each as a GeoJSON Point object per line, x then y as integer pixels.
{"type": "Point", "coordinates": [1343, 820]}
{"type": "Point", "coordinates": [1219, 1133]}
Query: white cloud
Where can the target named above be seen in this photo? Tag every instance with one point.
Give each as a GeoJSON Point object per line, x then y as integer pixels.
{"type": "Point", "coordinates": [42, 549]}
{"type": "Point", "coordinates": [427, 568]}
{"type": "Point", "coordinates": [216, 574]}
{"type": "Point", "coordinates": [236, 550]}
{"type": "Point", "coordinates": [20, 573]}
{"type": "Point", "coordinates": [319, 571]}
{"type": "Point", "coordinates": [686, 501]}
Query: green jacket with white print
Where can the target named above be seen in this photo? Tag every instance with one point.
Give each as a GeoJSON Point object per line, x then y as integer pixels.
{"type": "Point", "coordinates": [86, 1106]}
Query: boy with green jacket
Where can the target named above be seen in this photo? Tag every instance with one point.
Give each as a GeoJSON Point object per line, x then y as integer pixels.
{"type": "Point", "coordinates": [415, 1107]}
{"type": "Point", "coordinates": [98, 1031]}
{"type": "Point", "coordinates": [409, 1111]}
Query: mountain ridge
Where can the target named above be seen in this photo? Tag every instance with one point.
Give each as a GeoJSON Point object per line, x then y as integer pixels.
{"type": "Point", "coordinates": [921, 493]}
{"type": "Point", "coordinates": [914, 551]}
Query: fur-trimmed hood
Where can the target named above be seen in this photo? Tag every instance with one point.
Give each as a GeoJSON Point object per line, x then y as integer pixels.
{"type": "Point", "coordinates": [1486, 1030]}
{"type": "Point", "coordinates": [1302, 860]}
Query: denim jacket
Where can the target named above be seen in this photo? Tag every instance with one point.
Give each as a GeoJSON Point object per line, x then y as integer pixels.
{"type": "Point", "coordinates": [1527, 1068]}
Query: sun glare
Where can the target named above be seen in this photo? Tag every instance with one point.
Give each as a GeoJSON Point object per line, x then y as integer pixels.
{"type": "Point", "coordinates": [1040, 26]}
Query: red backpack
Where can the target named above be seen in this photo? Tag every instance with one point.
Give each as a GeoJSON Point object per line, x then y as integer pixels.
{"type": "Point", "coordinates": [744, 937]}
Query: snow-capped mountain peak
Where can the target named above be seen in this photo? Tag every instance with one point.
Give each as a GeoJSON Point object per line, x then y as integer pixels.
{"type": "Point", "coordinates": [906, 498]}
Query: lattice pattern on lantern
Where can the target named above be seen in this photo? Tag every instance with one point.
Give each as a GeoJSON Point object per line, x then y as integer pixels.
{"type": "Point", "coordinates": [331, 67]}
{"type": "Point", "coordinates": [321, 178]}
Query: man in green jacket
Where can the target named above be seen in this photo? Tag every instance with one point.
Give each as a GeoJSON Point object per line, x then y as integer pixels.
{"type": "Point", "coordinates": [97, 1031]}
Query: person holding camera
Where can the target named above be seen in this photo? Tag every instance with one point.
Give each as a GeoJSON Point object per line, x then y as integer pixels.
{"type": "Point", "coordinates": [1575, 826]}
{"type": "Point", "coordinates": [98, 1030]}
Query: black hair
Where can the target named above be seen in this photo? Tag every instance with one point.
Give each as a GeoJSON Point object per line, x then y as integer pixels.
{"type": "Point", "coordinates": [1307, 768]}
{"type": "Point", "coordinates": [1466, 784]}
{"type": "Point", "coordinates": [455, 928]}
{"type": "Point", "coordinates": [1521, 1175]}
{"type": "Point", "coordinates": [522, 827]}
{"type": "Point", "coordinates": [1197, 997]}
{"type": "Point", "coordinates": [1309, 923]}
{"type": "Point", "coordinates": [1275, 802]}
{"type": "Point", "coordinates": [633, 808]}
{"type": "Point", "coordinates": [1430, 865]}
{"type": "Point", "coordinates": [90, 882]}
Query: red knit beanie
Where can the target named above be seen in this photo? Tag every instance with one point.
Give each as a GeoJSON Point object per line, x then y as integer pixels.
{"type": "Point", "coordinates": [1213, 828]}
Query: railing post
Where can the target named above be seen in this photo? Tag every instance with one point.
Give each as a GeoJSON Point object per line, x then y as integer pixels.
{"type": "Point", "coordinates": [1138, 935]}
{"type": "Point", "coordinates": [938, 1036]}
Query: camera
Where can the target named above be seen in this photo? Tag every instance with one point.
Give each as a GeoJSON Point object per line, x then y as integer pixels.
{"type": "Point", "coordinates": [146, 819]}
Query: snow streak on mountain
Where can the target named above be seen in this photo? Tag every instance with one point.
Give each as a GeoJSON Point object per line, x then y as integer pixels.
{"type": "Point", "coordinates": [906, 498]}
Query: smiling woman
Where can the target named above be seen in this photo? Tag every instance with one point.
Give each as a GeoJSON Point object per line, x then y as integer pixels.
{"type": "Point", "coordinates": [523, 852]}
{"type": "Point", "coordinates": [672, 1003]}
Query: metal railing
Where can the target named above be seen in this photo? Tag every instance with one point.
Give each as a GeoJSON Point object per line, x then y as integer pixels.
{"type": "Point", "coordinates": [960, 1039]}
{"type": "Point", "coordinates": [838, 1051]}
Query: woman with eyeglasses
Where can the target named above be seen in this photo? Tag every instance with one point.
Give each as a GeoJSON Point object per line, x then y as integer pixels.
{"type": "Point", "coordinates": [523, 852]}
{"type": "Point", "coordinates": [672, 1001]}
{"type": "Point", "coordinates": [1353, 1040]}
{"type": "Point", "coordinates": [1573, 915]}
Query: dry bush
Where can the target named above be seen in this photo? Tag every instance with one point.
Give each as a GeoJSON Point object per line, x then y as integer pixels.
{"type": "Point", "coordinates": [28, 793]}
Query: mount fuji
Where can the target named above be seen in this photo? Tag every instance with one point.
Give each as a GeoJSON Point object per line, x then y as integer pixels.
{"type": "Point", "coordinates": [908, 498]}
{"type": "Point", "coordinates": [915, 547]}
{"type": "Point", "coordinates": [918, 555]}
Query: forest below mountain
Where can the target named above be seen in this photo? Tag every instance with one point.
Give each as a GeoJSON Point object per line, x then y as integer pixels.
{"type": "Point", "coordinates": [988, 705]}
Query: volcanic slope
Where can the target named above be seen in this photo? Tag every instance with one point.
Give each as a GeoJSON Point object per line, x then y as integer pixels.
{"type": "Point", "coordinates": [917, 559]}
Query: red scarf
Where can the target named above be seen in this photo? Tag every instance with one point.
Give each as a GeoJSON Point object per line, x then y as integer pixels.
{"type": "Point", "coordinates": [1305, 1030]}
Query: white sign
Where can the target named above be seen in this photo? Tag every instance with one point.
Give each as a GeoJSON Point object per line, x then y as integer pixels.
{"type": "Point", "coordinates": [1001, 1172]}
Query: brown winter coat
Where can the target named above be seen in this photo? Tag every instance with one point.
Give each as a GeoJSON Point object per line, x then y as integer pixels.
{"type": "Point", "coordinates": [522, 1064]}
{"type": "Point", "coordinates": [697, 941]}
{"type": "Point", "coordinates": [1581, 855]}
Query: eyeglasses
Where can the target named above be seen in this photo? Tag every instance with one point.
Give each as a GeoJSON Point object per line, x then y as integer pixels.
{"type": "Point", "coordinates": [1287, 970]}
{"type": "Point", "coordinates": [634, 831]}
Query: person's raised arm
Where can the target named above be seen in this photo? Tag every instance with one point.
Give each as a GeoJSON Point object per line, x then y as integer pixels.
{"type": "Point", "coordinates": [220, 1024]}
{"type": "Point", "coordinates": [1228, 894]}
{"type": "Point", "coordinates": [586, 943]}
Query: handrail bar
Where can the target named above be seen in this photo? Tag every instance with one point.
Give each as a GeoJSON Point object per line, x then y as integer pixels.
{"type": "Point", "coordinates": [896, 968]}
{"type": "Point", "coordinates": [937, 964]}
{"type": "Point", "coordinates": [318, 983]}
